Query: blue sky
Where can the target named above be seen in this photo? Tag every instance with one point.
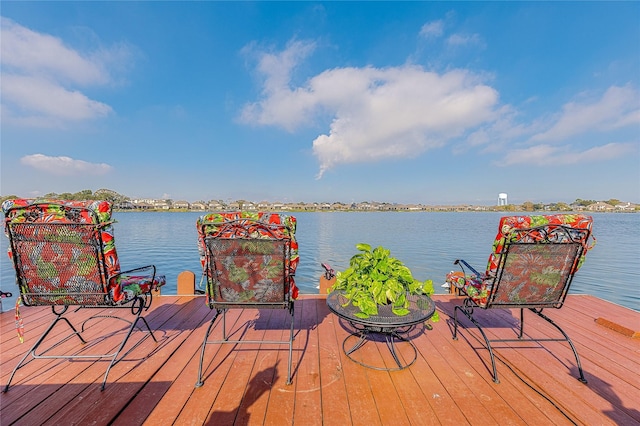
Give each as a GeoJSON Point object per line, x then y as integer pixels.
{"type": "Point", "coordinates": [400, 102]}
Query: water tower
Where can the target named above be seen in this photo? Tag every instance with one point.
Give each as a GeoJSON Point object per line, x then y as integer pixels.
{"type": "Point", "coordinates": [502, 199]}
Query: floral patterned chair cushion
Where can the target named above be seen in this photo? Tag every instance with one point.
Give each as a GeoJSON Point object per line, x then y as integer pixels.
{"type": "Point", "coordinates": [80, 273]}
{"type": "Point", "coordinates": [478, 286]}
{"type": "Point", "coordinates": [251, 268]}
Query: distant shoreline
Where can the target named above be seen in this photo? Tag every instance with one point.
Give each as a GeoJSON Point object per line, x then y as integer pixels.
{"type": "Point", "coordinates": [426, 210]}
{"type": "Point", "coordinates": [122, 203]}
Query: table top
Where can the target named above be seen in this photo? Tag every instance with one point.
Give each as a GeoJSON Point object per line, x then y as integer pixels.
{"type": "Point", "coordinates": [421, 308]}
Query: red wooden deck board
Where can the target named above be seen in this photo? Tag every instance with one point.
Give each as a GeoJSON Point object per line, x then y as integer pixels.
{"type": "Point", "coordinates": [225, 372]}
{"type": "Point", "coordinates": [191, 319]}
{"type": "Point", "coordinates": [551, 365]}
{"type": "Point", "coordinates": [362, 408]}
{"type": "Point", "coordinates": [450, 382]}
{"type": "Point", "coordinates": [308, 405]}
{"type": "Point", "coordinates": [95, 406]}
{"type": "Point", "coordinates": [335, 406]}
{"type": "Point", "coordinates": [264, 372]}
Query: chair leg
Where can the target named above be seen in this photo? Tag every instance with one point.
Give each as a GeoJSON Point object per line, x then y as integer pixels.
{"type": "Point", "coordinates": [566, 337]}
{"type": "Point", "coordinates": [32, 351]}
{"type": "Point", "coordinates": [455, 324]}
{"type": "Point", "coordinates": [115, 359]}
{"type": "Point", "coordinates": [199, 383]}
{"type": "Point", "coordinates": [487, 341]}
{"type": "Point", "coordinates": [538, 312]}
{"type": "Point", "coordinates": [521, 332]}
{"type": "Point", "coordinates": [224, 326]}
{"type": "Point", "coordinates": [136, 310]}
{"type": "Point", "coordinates": [290, 345]}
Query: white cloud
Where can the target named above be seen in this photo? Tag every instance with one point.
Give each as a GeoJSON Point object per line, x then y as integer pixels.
{"type": "Point", "coordinates": [498, 135]}
{"type": "Point", "coordinates": [279, 105]}
{"type": "Point", "coordinates": [552, 156]}
{"type": "Point", "coordinates": [64, 165]}
{"type": "Point", "coordinates": [465, 39]}
{"type": "Point", "coordinates": [398, 112]}
{"type": "Point", "coordinates": [42, 77]}
{"type": "Point", "coordinates": [49, 100]}
{"type": "Point", "coordinates": [432, 29]}
{"type": "Point", "coordinates": [36, 53]}
{"type": "Point", "coordinates": [378, 113]}
{"type": "Point", "coordinates": [618, 107]}
{"type": "Point", "coordinates": [374, 114]}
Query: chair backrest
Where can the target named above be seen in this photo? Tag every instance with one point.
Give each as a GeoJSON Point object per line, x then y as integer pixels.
{"type": "Point", "coordinates": [63, 251]}
{"type": "Point", "coordinates": [248, 258]}
{"type": "Point", "coordinates": [535, 258]}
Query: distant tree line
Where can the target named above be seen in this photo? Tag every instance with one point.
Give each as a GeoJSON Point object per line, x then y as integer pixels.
{"type": "Point", "coordinates": [116, 199]}
{"type": "Point", "coordinates": [85, 194]}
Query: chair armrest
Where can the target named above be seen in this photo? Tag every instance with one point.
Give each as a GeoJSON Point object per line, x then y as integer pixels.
{"type": "Point", "coordinates": [464, 263]}
{"type": "Point", "coordinates": [148, 271]}
{"type": "Point", "coordinates": [141, 280]}
{"type": "Point", "coordinates": [476, 286]}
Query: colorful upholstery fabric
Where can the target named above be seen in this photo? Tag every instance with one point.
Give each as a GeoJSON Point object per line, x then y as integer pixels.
{"type": "Point", "coordinates": [526, 287]}
{"type": "Point", "coordinates": [65, 273]}
{"type": "Point", "coordinates": [241, 255]}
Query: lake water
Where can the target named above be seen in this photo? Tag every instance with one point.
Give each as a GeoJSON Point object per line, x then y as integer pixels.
{"type": "Point", "coordinates": [426, 242]}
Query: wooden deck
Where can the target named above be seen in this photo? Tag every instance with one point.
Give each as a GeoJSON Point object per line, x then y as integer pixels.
{"type": "Point", "coordinates": [450, 382]}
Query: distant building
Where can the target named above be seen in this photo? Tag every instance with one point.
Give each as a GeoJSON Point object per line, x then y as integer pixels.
{"type": "Point", "coordinates": [198, 206]}
{"type": "Point", "coordinates": [502, 199]}
{"type": "Point", "coordinates": [181, 205]}
{"type": "Point", "coordinates": [600, 206]}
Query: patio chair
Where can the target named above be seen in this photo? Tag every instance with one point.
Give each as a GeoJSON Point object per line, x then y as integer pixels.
{"type": "Point", "coordinates": [64, 255]}
{"type": "Point", "coordinates": [532, 265]}
{"type": "Point", "coordinates": [249, 261]}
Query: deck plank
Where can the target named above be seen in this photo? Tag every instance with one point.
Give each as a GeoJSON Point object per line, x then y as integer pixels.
{"type": "Point", "coordinates": [126, 379]}
{"type": "Point", "coordinates": [550, 365]}
{"type": "Point", "coordinates": [474, 361]}
{"type": "Point", "coordinates": [240, 379]}
{"type": "Point", "coordinates": [359, 395]}
{"type": "Point", "coordinates": [308, 406]}
{"type": "Point", "coordinates": [191, 319]}
{"type": "Point", "coordinates": [450, 382]}
{"type": "Point", "coordinates": [472, 370]}
{"type": "Point", "coordinates": [253, 408]}
{"type": "Point", "coordinates": [225, 373]}
{"type": "Point", "coordinates": [333, 391]}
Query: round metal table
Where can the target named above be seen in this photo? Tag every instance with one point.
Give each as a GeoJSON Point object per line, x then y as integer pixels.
{"type": "Point", "coordinates": [387, 324]}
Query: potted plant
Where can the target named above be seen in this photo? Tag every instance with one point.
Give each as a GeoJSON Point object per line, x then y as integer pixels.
{"type": "Point", "coordinates": [375, 278]}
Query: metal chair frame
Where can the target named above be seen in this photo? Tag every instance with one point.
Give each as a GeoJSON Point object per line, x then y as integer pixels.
{"type": "Point", "coordinates": [40, 236]}
{"type": "Point", "coordinates": [521, 241]}
{"type": "Point", "coordinates": [280, 245]}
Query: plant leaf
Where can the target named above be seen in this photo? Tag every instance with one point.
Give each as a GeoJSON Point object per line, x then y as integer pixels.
{"type": "Point", "coordinates": [363, 247]}
{"type": "Point", "coordinates": [400, 311]}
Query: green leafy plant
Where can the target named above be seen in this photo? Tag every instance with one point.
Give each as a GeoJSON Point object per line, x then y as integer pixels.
{"type": "Point", "coordinates": [375, 278]}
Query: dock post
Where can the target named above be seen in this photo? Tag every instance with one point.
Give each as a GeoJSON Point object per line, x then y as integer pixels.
{"type": "Point", "coordinates": [186, 283]}
{"type": "Point", "coordinates": [325, 284]}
